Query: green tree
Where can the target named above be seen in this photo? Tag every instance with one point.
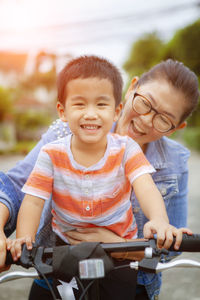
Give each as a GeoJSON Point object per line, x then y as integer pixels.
{"type": "Point", "coordinates": [185, 47]}
{"type": "Point", "coordinates": [144, 53]}
{"type": "Point", "coordinates": [5, 103]}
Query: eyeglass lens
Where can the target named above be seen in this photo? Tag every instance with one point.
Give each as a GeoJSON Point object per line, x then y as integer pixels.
{"type": "Point", "coordinates": [143, 106]}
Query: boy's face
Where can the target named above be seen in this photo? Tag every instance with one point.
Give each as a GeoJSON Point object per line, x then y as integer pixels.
{"type": "Point", "coordinates": [89, 109]}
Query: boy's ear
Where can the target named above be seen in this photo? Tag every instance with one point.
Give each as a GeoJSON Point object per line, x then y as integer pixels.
{"type": "Point", "coordinates": [118, 110]}
{"type": "Point", "coordinates": [61, 111]}
{"type": "Point", "coordinates": [132, 86]}
{"type": "Point", "coordinates": [181, 126]}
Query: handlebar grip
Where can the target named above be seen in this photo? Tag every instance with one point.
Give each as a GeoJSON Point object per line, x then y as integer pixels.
{"type": "Point", "coordinates": [190, 243]}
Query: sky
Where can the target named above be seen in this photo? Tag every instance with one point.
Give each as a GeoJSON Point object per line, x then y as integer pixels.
{"type": "Point", "coordinates": [102, 27]}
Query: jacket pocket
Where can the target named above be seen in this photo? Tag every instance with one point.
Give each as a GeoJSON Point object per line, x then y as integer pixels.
{"type": "Point", "coordinates": [168, 186]}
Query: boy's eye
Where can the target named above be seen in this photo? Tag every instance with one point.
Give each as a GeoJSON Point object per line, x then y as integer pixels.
{"type": "Point", "coordinates": [78, 104]}
{"type": "Point", "coordinates": [102, 104]}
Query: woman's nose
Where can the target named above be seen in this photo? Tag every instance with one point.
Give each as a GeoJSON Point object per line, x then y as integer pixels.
{"type": "Point", "coordinates": [147, 119]}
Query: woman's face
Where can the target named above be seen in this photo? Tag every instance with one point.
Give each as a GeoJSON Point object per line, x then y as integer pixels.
{"type": "Point", "coordinates": [163, 98]}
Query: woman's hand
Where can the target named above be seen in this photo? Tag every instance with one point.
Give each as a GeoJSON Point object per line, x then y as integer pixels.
{"type": "Point", "coordinates": [94, 234]}
{"type": "Point", "coordinates": [165, 233]}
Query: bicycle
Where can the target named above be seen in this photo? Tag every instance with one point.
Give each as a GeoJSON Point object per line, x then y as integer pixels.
{"type": "Point", "coordinates": [90, 261]}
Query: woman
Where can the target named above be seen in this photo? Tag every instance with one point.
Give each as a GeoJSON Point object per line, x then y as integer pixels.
{"type": "Point", "coordinates": [156, 105]}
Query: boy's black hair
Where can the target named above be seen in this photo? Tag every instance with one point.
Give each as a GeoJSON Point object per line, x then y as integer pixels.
{"type": "Point", "coordinates": [86, 67]}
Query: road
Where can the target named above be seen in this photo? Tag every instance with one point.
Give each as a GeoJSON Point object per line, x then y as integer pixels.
{"type": "Point", "coordinates": [179, 284]}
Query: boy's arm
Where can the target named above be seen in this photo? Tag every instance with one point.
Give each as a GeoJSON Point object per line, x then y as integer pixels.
{"type": "Point", "coordinates": [149, 197]}
{"type": "Point", "coordinates": [152, 204]}
{"type": "Point", "coordinates": [27, 224]}
{"type": "Point", "coordinates": [29, 216]}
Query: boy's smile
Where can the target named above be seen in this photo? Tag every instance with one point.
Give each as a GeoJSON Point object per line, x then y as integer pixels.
{"type": "Point", "coordinates": [89, 110]}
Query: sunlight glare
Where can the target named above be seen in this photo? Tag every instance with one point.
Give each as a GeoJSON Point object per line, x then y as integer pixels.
{"type": "Point", "coordinates": [20, 16]}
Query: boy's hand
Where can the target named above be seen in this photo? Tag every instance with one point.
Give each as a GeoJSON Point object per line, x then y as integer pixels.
{"type": "Point", "coordinates": [165, 233]}
{"type": "Point", "coordinates": [15, 246]}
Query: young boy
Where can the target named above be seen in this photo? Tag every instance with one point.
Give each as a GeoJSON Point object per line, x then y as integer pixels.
{"type": "Point", "coordinates": [90, 173]}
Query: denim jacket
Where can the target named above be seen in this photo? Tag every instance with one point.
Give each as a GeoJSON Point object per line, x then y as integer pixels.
{"type": "Point", "coordinates": [171, 177]}
{"type": "Point", "coordinates": [168, 158]}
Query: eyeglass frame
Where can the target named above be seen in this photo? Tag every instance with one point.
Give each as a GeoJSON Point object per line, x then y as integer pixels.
{"type": "Point", "coordinates": [151, 108]}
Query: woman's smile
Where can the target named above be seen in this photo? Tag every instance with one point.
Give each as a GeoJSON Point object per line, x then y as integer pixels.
{"type": "Point", "coordinates": [137, 128]}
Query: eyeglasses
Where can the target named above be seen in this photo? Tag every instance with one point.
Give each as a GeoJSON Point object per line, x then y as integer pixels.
{"type": "Point", "coordinates": [142, 106]}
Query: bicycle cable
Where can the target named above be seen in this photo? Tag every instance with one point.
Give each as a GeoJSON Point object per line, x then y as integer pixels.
{"type": "Point", "coordinates": [81, 285]}
{"type": "Point", "coordinates": [121, 267]}
{"type": "Point", "coordinates": [86, 289]}
{"type": "Point", "coordinates": [46, 281]}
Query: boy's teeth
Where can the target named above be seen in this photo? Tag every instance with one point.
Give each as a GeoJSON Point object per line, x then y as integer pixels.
{"type": "Point", "coordinates": [90, 126]}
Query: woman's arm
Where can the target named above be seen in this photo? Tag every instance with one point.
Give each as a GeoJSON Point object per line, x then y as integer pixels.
{"type": "Point", "coordinates": [4, 215]}
{"type": "Point", "coordinates": [103, 235]}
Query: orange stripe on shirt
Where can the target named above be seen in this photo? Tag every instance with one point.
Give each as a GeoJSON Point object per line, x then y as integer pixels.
{"type": "Point", "coordinates": [61, 160]}
{"type": "Point", "coordinates": [112, 162]}
{"type": "Point", "coordinates": [136, 162]}
{"type": "Point", "coordinates": [41, 182]}
{"type": "Point", "coordinates": [121, 227]}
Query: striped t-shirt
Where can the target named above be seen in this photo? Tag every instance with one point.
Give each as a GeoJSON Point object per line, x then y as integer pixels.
{"type": "Point", "coordinates": [98, 195]}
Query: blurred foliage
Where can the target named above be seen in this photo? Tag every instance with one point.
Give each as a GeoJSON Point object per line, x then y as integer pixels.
{"type": "Point", "coordinates": [6, 105]}
{"type": "Point", "coordinates": [47, 79]}
{"type": "Point", "coordinates": [185, 47]}
{"type": "Point", "coordinates": [22, 118]}
{"type": "Point", "coordinates": [144, 54]}
{"type": "Point", "coordinates": [32, 120]}
{"type": "Point", "coordinates": [22, 147]}
{"type": "Point", "coordinates": [5, 134]}
{"type": "Point", "coordinates": [191, 137]}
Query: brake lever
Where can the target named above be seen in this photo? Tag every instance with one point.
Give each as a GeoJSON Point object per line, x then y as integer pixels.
{"type": "Point", "coordinates": [35, 257]}
{"type": "Point", "coordinates": [42, 267]}
{"type": "Point", "coordinates": [151, 260]}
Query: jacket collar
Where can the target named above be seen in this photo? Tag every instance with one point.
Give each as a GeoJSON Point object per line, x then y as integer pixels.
{"type": "Point", "coordinates": [156, 154]}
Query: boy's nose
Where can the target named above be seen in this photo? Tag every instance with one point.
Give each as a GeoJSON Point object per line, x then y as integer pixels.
{"type": "Point", "coordinates": [90, 113]}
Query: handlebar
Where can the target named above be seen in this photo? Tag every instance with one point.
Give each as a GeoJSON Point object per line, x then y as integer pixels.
{"type": "Point", "coordinates": [190, 243]}
{"type": "Point", "coordinates": [48, 260]}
